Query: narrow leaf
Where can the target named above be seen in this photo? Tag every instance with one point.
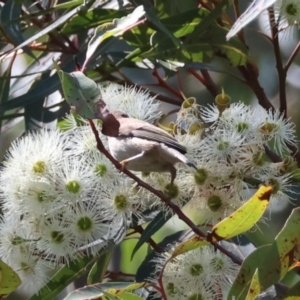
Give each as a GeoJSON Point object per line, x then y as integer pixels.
{"type": "Point", "coordinates": [254, 289]}
{"type": "Point", "coordinates": [191, 244]}
{"type": "Point", "coordinates": [4, 87]}
{"type": "Point", "coordinates": [55, 24]}
{"type": "Point", "coordinates": [159, 220]}
{"type": "Point", "coordinates": [244, 218]}
{"type": "Point", "coordinates": [152, 17]}
{"type": "Point", "coordinates": [255, 8]}
{"type": "Point", "coordinates": [111, 290]}
{"type": "Point", "coordinates": [99, 268]}
{"type": "Point", "coordinates": [117, 27]}
{"type": "Point", "coordinates": [12, 10]}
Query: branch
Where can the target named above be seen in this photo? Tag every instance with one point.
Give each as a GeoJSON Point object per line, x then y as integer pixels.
{"type": "Point", "coordinates": [162, 196]}
{"type": "Point", "coordinates": [250, 74]}
{"type": "Point", "coordinates": [279, 65]}
{"type": "Point", "coordinates": [164, 84]}
{"type": "Point", "coordinates": [206, 80]}
{"type": "Point", "coordinates": [292, 57]}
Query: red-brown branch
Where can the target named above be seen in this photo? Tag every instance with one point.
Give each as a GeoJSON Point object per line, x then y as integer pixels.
{"type": "Point", "coordinates": [167, 200]}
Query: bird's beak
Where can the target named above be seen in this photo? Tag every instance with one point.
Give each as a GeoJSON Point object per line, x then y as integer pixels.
{"type": "Point", "coordinates": [111, 125]}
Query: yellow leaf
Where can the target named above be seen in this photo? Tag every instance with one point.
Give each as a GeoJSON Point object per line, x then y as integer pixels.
{"type": "Point", "coordinates": [244, 218]}
{"type": "Point", "coordinates": [9, 279]}
{"type": "Point", "coordinates": [254, 289]}
{"type": "Point", "coordinates": [191, 244]}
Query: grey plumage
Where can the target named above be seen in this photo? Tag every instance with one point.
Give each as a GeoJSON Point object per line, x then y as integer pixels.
{"type": "Point", "coordinates": [141, 146]}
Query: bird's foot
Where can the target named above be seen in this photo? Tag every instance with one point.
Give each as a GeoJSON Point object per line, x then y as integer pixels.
{"type": "Point", "coordinates": [123, 164]}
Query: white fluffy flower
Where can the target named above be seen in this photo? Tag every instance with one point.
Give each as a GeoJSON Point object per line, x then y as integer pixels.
{"type": "Point", "coordinates": [32, 271]}
{"type": "Point", "coordinates": [56, 242]}
{"type": "Point", "coordinates": [104, 171]}
{"type": "Point", "coordinates": [214, 203]}
{"type": "Point", "coordinates": [179, 193]}
{"type": "Point", "coordinates": [88, 222]}
{"type": "Point", "coordinates": [74, 181]}
{"type": "Point", "coordinates": [82, 141]}
{"type": "Point", "coordinates": [221, 146]}
{"type": "Point", "coordinates": [202, 273]}
{"type": "Point", "coordinates": [34, 155]}
{"type": "Point", "coordinates": [274, 127]}
{"type": "Point", "coordinates": [137, 104]}
{"type": "Point", "coordinates": [121, 197]}
{"type": "Point", "coordinates": [288, 12]}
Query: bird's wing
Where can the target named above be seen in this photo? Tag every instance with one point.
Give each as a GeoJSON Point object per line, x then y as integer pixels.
{"type": "Point", "coordinates": [145, 130]}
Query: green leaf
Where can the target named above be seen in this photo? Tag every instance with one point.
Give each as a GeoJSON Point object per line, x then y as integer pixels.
{"type": "Point", "coordinates": [129, 288]}
{"type": "Point", "coordinates": [159, 220]}
{"type": "Point", "coordinates": [240, 286]}
{"type": "Point", "coordinates": [272, 261]}
{"type": "Point", "coordinates": [159, 26]}
{"type": "Point", "coordinates": [175, 7]}
{"type": "Point", "coordinates": [99, 268]}
{"type": "Point", "coordinates": [138, 36]}
{"type": "Point", "coordinates": [91, 19]}
{"type": "Point", "coordinates": [4, 87]}
{"type": "Point", "coordinates": [294, 292]}
{"type": "Point", "coordinates": [283, 253]}
{"type": "Point", "coordinates": [12, 10]}
{"type": "Point", "coordinates": [65, 276]}
{"type": "Point", "coordinates": [35, 112]}
{"type": "Point", "coordinates": [115, 28]}
{"type": "Point", "coordinates": [244, 218]}
{"type": "Point", "coordinates": [148, 266]}
{"type": "Point", "coordinates": [112, 290]}
{"type": "Point", "coordinates": [60, 21]}
{"type": "Point", "coordinates": [42, 89]}
{"type": "Point", "coordinates": [5, 84]}
{"type": "Point", "coordinates": [185, 23]}
{"type": "Point", "coordinates": [191, 244]}
{"type": "Point", "coordinates": [9, 280]}
{"type": "Point", "coordinates": [81, 92]}
{"type": "Point", "coordinates": [129, 296]}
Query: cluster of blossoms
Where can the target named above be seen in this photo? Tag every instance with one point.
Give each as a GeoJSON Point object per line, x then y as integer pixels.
{"type": "Point", "coordinates": [199, 274]}
{"type": "Point", "coordinates": [228, 148]}
{"type": "Point", "coordinates": [62, 199]}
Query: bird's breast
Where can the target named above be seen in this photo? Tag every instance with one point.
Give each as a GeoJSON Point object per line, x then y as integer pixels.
{"type": "Point", "coordinates": [123, 148]}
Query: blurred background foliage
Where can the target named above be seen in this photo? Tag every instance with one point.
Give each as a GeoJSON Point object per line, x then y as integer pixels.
{"type": "Point", "coordinates": [177, 49]}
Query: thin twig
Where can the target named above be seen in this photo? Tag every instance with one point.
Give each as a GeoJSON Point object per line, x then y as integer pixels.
{"type": "Point", "coordinates": [292, 57]}
{"type": "Point", "coordinates": [272, 155]}
{"type": "Point", "coordinates": [151, 242]}
{"type": "Point", "coordinates": [210, 85]}
{"type": "Point", "coordinates": [279, 65]}
{"type": "Point", "coordinates": [250, 73]}
{"type": "Point", "coordinates": [163, 83]}
{"type": "Point", "coordinates": [162, 196]}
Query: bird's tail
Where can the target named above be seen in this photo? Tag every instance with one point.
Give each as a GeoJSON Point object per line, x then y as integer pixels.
{"type": "Point", "coordinates": [191, 165]}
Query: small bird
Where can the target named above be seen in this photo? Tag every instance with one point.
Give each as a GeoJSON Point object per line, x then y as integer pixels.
{"type": "Point", "coordinates": [140, 146]}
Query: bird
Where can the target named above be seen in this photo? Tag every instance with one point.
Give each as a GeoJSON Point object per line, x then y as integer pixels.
{"type": "Point", "coordinates": [141, 146]}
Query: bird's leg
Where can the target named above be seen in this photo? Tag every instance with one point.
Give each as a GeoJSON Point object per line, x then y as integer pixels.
{"type": "Point", "coordinates": [173, 174]}
{"type": "Point", "coordinates": [126, 161]}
